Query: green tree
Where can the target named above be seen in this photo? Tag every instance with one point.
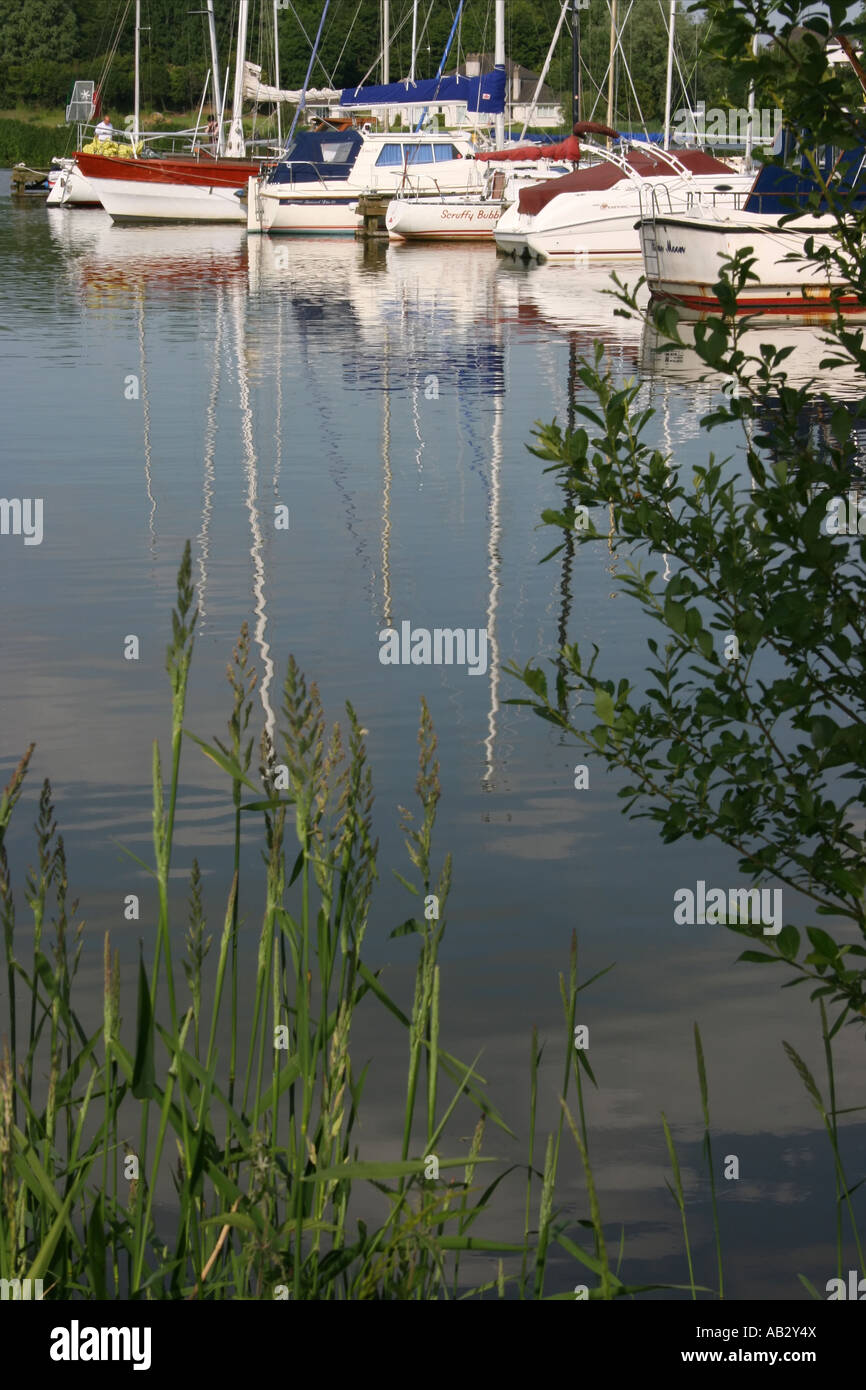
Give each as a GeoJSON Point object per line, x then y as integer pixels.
{"type": "Point", "coordinates": [36, 29]}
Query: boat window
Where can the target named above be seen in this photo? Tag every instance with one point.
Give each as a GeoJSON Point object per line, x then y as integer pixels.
{"type": "Point", "coordinates": [390, 155]}
{"type": "Point", "coordinates": [337, 153]}
{"type": "Point", "coordinates": [419, 154]}
{"type": "Point", "coordinates": [445, 152]}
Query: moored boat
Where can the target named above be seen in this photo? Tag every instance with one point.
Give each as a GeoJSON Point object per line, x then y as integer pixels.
{"type": "Point", "coordinates": [683, 252]}
{"type": "Point", "coordinates": [315, 187]}
{"type": "Point", "coordinates": [196, 187]}
{"type": "Point", "coordinates": [474, 215]}
{"type": "Point", "coordinates": [593, 212]}
{"type": "Point", "coordinates": [69, 187]}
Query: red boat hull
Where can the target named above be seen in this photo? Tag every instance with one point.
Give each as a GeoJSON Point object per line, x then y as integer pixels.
{"type": "Point", "coordinates": [187, 171]}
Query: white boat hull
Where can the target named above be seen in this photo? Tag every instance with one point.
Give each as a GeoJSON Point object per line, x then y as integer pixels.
{"type": "Point", "coordinates": [458, 219]}
{"type": "Point", "coordinates": [512, 230]}
{"type": "Point", "coordinates": [128, 201]}
{"type": "Point", "coordinates": [71, 189]}
{"type": "Point", "coordinates": [603, 224]}
{"type": "Point", "coordinates": [328, 212]}
{"type": "Point", "coordinates": [682, 258]}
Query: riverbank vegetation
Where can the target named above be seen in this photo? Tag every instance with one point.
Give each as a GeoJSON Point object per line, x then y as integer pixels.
{"type": "Point", "coordinates": [253, 1114]}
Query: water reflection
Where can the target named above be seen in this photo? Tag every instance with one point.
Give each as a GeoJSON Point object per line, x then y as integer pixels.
{"type": "Point", "coordinates": [412, 337]}
{"type": "Point", "coordinates": [306, 381]}
{"type": "Point", "coordinates": [683, 368]}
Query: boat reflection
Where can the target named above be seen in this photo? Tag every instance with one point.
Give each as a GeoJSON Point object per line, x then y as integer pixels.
{"type": "Point", "coordinates": [108, 262]}
{"type": "Point", "coordinates": [808, 344]}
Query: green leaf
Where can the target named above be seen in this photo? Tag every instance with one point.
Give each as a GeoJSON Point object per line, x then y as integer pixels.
{"type": "Point", "coordinates": [234, 770]}
{"type": "Point", "coordinates": [805, 1076]}
{"type": "Point", "coordinates": [375, 1171]}
{"type": "Point", "coordinates": [96, 1249]}
{"type": "Point", "coordinates": [144, 1072]}
{"type": "Point", "coordinates": [788, 942]}
{"type": "Point", "coordinates": [823, 943]}
{"type": "Point", "coordinates": [406, 928]}
{"type": "Point", "coordinates": [604, 706]}
{"type": "Point", "coordinates": [675, 616]}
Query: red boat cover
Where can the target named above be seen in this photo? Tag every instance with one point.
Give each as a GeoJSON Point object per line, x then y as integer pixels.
{"type": "Point", "coordinates": [593, 128]}
{"type": "Point", "coordinates": [604, 175]}
{"type": "Point", "coordinates": [566, 149]}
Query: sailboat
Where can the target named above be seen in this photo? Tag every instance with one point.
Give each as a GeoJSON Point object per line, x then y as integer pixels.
{"type": "Point", "coordinates": [594, 211]}
{"type": "Point", "coordinates": [682, 252]}
{"type": "Point", "coordinates": [69, 186]}
{"type": "Point", "coordinates": [316, 185]}
{"type": "Point", "coordinates": [200, 186]}
{"type": "Point", "coordinates": [473, 214]}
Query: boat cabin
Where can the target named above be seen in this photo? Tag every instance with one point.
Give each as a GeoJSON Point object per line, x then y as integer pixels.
{"type": "Point", "coordinates": [366, 159]}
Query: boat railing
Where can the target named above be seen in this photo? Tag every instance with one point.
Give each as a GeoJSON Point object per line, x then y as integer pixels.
{"type": "Point", "coordinates": [653, 195]}
{"type": "Point", "coordinates": [291, 165]}
{"type": "Point", "coordinates": [621, 161]}
{"type": "Point", "coordinates": [151, 144]}
{"type": "Point", "coordinates": [702, 199]}
{"type": "Point", "coordinates": [419, 189]}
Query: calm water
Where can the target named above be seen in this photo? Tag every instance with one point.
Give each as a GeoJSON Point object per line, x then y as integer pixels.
{"type": "Point", "coordinates": [385, 396]}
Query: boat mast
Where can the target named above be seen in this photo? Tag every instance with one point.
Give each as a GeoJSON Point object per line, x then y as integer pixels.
{"type": "Point", "coordinates": [303, 101]}
{"type": "Point", "coordinates": [236, 144]}
{"type": "Point", "coordinates": [544, 71]}
{"type": "Point", "coordinates": [277, 70]}
{"type": "Point", "coordinates": [750, 127]}
{"type": "Point", "coordinates": [136, 117]}
{"type": "Point", "coordinates": [610, 70]}
{"type": "Point", "coordinates": [386, 55]}
{"type": "Point", "coordinates": [669, 77]}
{"type": "Point", "coordinates": [576, 93]}
{"type": "Point", "coordinates": [414, 38]}
{"type": "Point", "coordinates": [577, 78]}
{"type": "Point", "coordinates": [499, 62]}
{"type": "Point", "coordinates": [218, 99]}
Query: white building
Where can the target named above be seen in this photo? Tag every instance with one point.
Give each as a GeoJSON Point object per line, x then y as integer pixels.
{"type": "Point", "coordinates": [522, 83]}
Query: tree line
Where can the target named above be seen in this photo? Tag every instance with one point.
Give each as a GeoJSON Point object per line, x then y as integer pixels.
{"type": "Point", "coordinates": [46, 44]}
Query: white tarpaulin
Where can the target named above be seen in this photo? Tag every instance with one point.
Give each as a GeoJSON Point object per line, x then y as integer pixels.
{"type": "Point", "coordinates": [257, 90]}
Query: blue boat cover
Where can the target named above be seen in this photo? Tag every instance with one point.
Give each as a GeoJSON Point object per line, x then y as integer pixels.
{"type": "Point", "coordinates": [318, 154]}
{"type": "Point", "coordinates": [777, 190]}
{"type": "Point", "coordinates": [485, 94]}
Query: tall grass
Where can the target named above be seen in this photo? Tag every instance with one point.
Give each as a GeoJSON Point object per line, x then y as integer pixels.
{"type": "Point", "coordinates": [30, 144]}
{"type": "Point", "coordinates": [261, 1140]}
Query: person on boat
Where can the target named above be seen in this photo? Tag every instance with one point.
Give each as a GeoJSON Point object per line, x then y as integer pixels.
{"type": "Point", "coordinates": [104, 131]}
{"type": "Point", "coordinates": [212, 129]}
